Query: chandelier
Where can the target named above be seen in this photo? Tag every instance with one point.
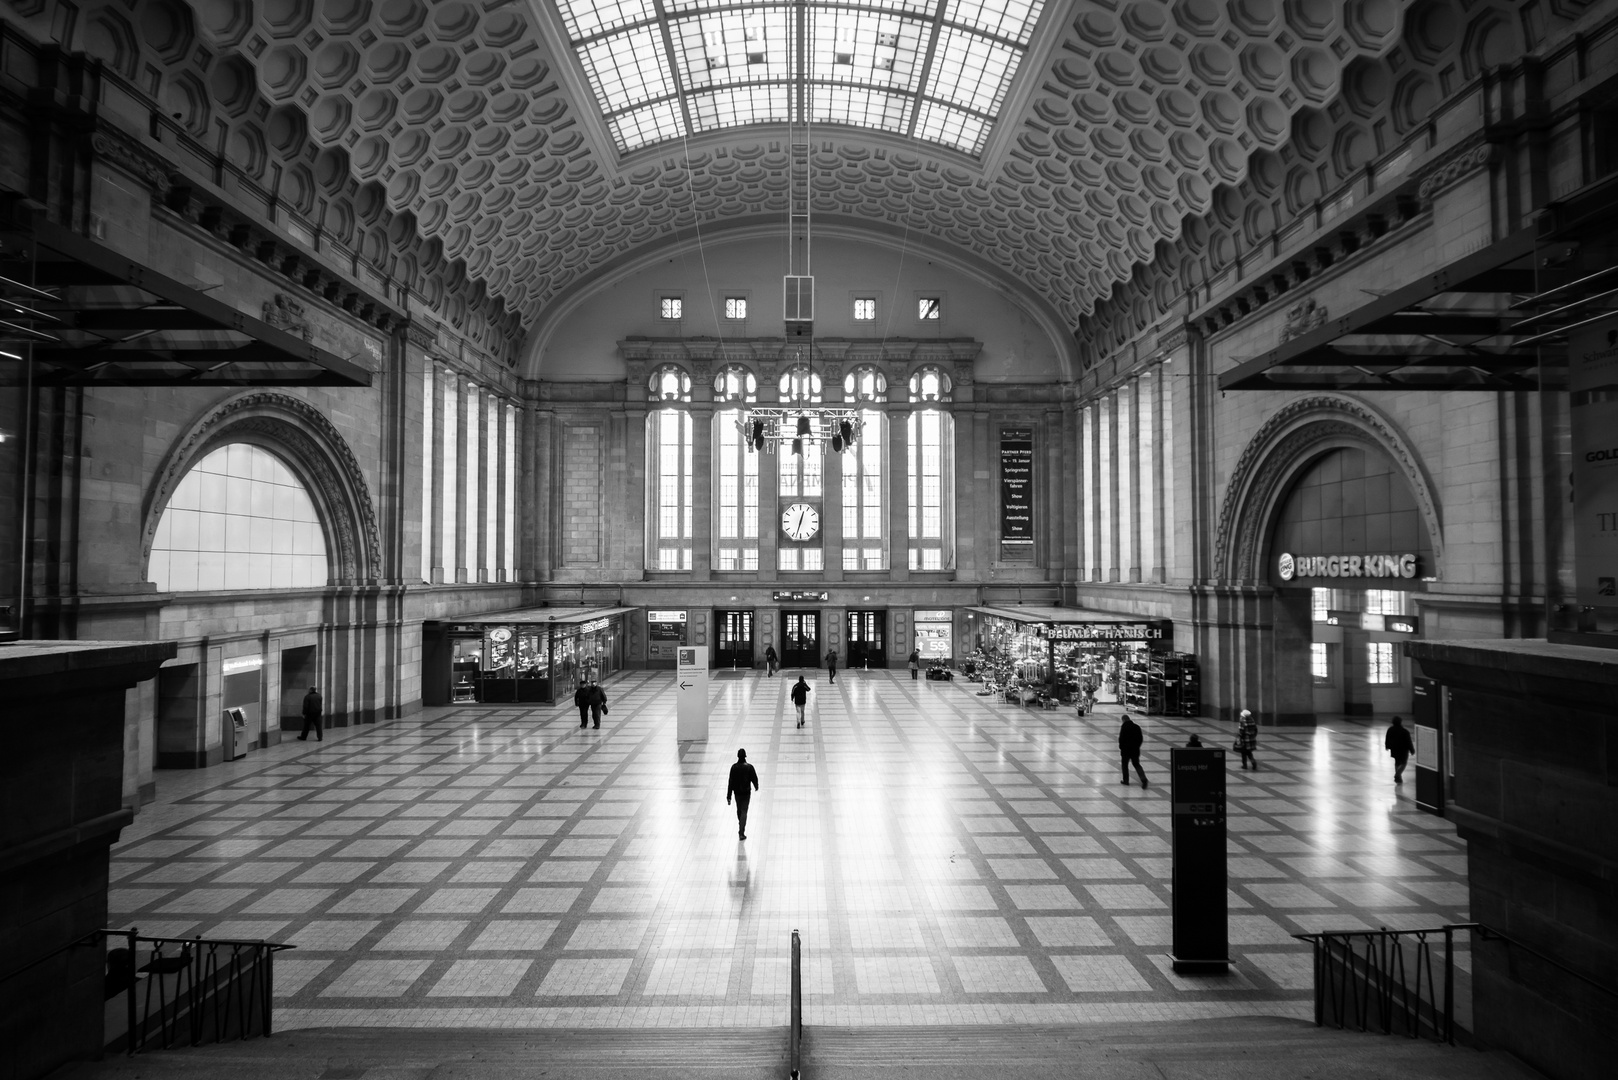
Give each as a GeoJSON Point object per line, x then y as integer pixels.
{"type": "Point", "coordinates": [799, 423]}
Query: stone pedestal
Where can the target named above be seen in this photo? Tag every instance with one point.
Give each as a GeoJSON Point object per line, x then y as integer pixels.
{"type": "Point", "coordinates": [61, 807]}
{"type": "Point", "coordinates": [1535, 796]}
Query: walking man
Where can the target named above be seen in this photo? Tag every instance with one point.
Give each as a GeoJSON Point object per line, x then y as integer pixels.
{"type": "Point", "coordinates": [1130, 737]}
{"type": "Point", "coordinates": [581, 698]}
{"type": "Point", "coordinates": [1247, 738]}
{"type": "Point", "coordinates": [915, 663]}
{"type": "Point", "coordinates": [1400, 745]}
{"type": "Point", "coordinates": [598, 703]}
{"type": "Point", "coordinates": [770, 659]}
{"type": "Point", "coordinates": [741, 775]}
{"type": "Point", "coordinates": [311, 716]}
{"type": "Point", "coordinates": [800, 697]}
{"type": "Point", "coordinates": [831, 664]}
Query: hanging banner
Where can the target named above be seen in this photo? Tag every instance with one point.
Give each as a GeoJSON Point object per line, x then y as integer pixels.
{"type": "Point", "coordinates": [1593, 382]}
{"type": "Point", "coordinates": [1017, 489]}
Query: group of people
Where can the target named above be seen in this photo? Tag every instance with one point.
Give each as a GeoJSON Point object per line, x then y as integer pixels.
{"type": "Point", "coordinates": [591, 699]}
{"type": "Point", "coordinates": [1397, 742]}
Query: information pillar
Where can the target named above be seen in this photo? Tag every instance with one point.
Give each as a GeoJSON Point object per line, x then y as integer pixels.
{"type": "Point", "coordinates": [691, 693]}
{"type": "Point", "coordinates": [1197, 792]}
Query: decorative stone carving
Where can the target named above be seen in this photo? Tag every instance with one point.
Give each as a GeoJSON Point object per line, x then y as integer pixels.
{"type": "Point", "coordinates": [1283, 445]}
{"type": "Point", "coordinates": [285, 313]}
{"type": "Point", "coordinates": [1302, 317]}
{"type": "Point", "coordinates": [114, 147]}
{"type": "Point", "coordinates": [318, 453]}
{"type": "Point", "coordinates": [1455, 166]}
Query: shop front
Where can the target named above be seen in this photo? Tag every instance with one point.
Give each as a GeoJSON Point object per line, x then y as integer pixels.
{"type": "Point", "coordinates": [533, 655]}
{"type": "Point", "coordinates": [1071, 655]}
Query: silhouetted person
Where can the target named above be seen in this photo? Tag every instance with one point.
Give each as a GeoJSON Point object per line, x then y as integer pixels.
{"type": "Point", "coordinates": [311, 715]}
{"type": "Point", "coordinates": [1193, 741]}
{"type": "Point", "coordinates": [915, 663]}
{"type": "Point", "coordinates": [770, 659]}
{"type": "Point", "coordinates": [741, 775]}
{"type": "Point", "coordinates": [598, 703]}
{"type": "Point", "coordinates": [831, 665]}
{"type": "Point", "coordinates": [581, 698]}
{"type": "Point", "coordinates": [800, 697]}
{"type": "Point", "coordinates": [1247, 738]}
{"type": "Point", "coordinates": [1130, 737]}
{"type": "Point", "coordinates": [1400, 745]}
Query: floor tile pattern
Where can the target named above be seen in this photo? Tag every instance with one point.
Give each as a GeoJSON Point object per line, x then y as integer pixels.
{"type": "Point", "coordinates": [946, 858]}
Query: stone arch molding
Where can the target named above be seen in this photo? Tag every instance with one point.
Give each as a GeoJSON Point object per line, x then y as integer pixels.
{"type": "Point", "coordinates": [1288, 443]}
{"type": "Point", "coordinates": [316, 451]}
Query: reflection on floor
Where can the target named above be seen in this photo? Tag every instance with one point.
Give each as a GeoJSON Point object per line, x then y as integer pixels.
{"type": "Point", "coordinates": [947, 859]}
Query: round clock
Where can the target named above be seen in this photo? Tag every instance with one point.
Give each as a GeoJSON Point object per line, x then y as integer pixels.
{"type": "Point", "coordinates": [800, 521]}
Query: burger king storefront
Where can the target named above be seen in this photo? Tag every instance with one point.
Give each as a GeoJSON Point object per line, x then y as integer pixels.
{"type": "Point", "coordinates": [1349, 541]}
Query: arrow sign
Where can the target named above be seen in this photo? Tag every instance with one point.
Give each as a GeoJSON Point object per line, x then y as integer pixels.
{"type": "Point", "coordinates": [685, 686]}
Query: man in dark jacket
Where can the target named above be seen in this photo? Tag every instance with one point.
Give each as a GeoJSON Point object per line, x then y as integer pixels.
{"type": "Point", "coordinates": [598, 703]}
{"type": "Point", "coordinates": [1400, 745]}
{"type": "Point", "coordinates": [831, 664]}
{"type": "Point", "coordinates": [581, 698]}
{"type": "Point", "coordinates": [800, 696]}
{"type": "Point", "coordinates": [770, 659]}
{"type": "Point", "coordinates": [311, 715]}
{"type": "Point", "coordinates": [1130, 737]}
{"type": "Point", "coordinates": [741, 775]}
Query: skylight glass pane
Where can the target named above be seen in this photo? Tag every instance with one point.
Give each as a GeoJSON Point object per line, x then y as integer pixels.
{"type": "Point", "coordinates": [741, 46]}
{"type": "Point", "coordinates": [866, 47]}
{"type": "Point", "coordinates": [971, 71]}
{"type": "Point", "coordinates": [586, 18]}
{"type": "Point", "coordinates": [1013, 19]}
{"type": "Point", "coordinates": [627, 69]}
{"type": "Point", "coordinates": [951, 127]}
{"type": "Point", "coordinates": [653, 123]}
{"type": "Point", "coordinates": [733, 106]}
{"type": "Point", "coordinates": [859, 105]}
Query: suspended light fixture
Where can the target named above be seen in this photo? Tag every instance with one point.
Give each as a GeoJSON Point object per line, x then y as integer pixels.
{"type": "Point", "coordinates": [799, 420]}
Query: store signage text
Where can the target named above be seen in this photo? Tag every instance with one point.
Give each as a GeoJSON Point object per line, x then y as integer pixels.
{"type": "Point", "coordinates": [1017, 486]}
{"type": "Point", "coordinates": [243, 663]}
{"type": "Point", "coordinates": [593, 625]}
{"type": "Point", "coordinates": [1352, 566]}
{"type": "Point", "coordinates": [1368, 620]}
{"type": "Point", "coordinates": [665, 616]}
{"type": "Point", "coordinates": [1105, 631]}
{"type": "Point", "coordinates": [798, 595]}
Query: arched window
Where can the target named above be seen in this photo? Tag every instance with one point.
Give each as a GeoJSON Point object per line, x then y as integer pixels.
{"type": "Point", "coordinates": [865, 383]}
{"type": "Point", "coordinates": [669, 383]}
{"type": "Point", "coordinates": [735, 383]}
{"type": "Point", "coordinates": [800, 385]}
{"type": "Point", "coordinates": [931, 384]}
{"type": "Point", "coordinates": [240, 519]}
{"type": "Point", "coordinates": [865, 520]}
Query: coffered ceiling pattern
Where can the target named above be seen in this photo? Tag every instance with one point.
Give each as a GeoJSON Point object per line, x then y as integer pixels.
{"type": "Point", "coordinates": [1195, 128]}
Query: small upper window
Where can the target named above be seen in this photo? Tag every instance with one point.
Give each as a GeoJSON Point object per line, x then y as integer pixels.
{"type": "Point", "coordinates": [865, 309]}
{"type": "Point", "coordinates": [735, 307]}
{"type": "Point", "coordinates": [930, 384]}
{"type": "Point", "coordinates": [930, 308]}
{"type": "Point", "coordinates": [735, 383]}
{"type": "Point", "coordinates": [671, 307]}
{"type": "Point", "coordinates": [865, 384]}
{"type": "Point", "coordinates": [669, 383]}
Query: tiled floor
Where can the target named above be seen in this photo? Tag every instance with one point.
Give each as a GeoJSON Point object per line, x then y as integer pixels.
{"type": "Point", "coordinates": [946, 858]}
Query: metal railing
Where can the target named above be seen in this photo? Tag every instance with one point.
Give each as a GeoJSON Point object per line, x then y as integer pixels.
{"type": "Point", "coordinates": [189, 991]}
{"type": "Point", "coordinates": [796, 1020]}
{"type": "Point", "coordinates": [1383, 980]}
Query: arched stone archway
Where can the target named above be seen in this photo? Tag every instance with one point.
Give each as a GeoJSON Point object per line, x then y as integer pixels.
{"type": "Point", "coordinates": [316, 451]}
{"type": "Point", "coordinates": [1298, 434]}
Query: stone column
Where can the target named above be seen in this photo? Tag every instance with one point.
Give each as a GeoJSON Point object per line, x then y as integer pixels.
{"type": "Point", "coordinates": [435, 541]}
{"type": "Point", "coordinates": [769, 520]}
{"type": "Point", "coordinates": [897, 483]}
{"type": "Point", "coordinates": [536, 546]}
{"type": "Point", "coordinates": [702, 490]}
{"type": "Point", "coordinates": [457, 557]}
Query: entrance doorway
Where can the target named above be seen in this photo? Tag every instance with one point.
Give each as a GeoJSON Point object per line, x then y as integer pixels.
{"type": "Point", "coordinates": [800, 639]}
{"type": "Point", "coordinates": [297, 676]}
{"type": "Point", "coordinates": [180, 700]}
{"type": "Point", "coordinates": [867, 639]}
{"type": "Point", "coordinates": [735, 640]}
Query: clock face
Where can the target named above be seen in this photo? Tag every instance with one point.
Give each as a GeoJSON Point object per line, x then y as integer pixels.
{"type": "Point", "coordinates": [800, 521]}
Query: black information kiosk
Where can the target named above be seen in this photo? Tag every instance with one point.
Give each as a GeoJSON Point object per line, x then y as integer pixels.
{"type": "Point", "coordinates": [1201, 926]}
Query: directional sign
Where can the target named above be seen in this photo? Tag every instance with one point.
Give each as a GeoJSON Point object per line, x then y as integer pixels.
{"type": "Point", "coordinates": [691, 689]}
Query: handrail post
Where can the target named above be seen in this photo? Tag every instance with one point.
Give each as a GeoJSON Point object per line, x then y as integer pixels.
{"type": "Point", "coordinates": [129, 994]}
{"type": "Point", "coordinates": [1449, 985]}
{"type": "Point", "coordinates": [797, 1001]}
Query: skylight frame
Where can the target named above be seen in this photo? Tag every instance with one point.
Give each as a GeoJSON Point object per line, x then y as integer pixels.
{"type": "Point", "coordinates": [937, 70]}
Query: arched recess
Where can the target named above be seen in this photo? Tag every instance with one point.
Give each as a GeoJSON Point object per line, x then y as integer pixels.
{"type": "Point", "coordinates": [1287, 444]}
{"type": "Point", "coordinates": [311, 445]}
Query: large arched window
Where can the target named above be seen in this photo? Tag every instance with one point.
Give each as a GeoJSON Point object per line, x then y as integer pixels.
{"type": "Point", "coordinates": [669, 466]}
{"type": "Point", "coordinates": [931, 437]}
{"type": "Point", "coordinates": [735, 496]}
{"type": "Point", "coordinates": [240, 519]}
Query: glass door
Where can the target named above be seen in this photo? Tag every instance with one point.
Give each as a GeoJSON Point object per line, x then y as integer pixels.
{"type": "Point", "coordinates": [735, 646]}
{"type": "Point", "coordinates": [800, 639]}
{"type": "Point", "coordinates": [867, 637]}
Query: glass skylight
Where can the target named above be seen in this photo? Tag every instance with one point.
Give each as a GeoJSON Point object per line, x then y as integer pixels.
{"type": "Point", "coordinates": [934, 69]}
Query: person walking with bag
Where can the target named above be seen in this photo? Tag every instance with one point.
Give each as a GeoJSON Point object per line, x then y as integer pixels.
{"type": "Point", "coordinates": [741, 776]}
{"type": "Point", "coordinates": [831, 665]}
{"type": "Point", "coordinates": [598, 703]}
{"type": "Point", "coordinates": [771, 660]}
{"type": "Point", "coordinates": [1130, 738]}
{"type": "Point", "coordinates": [311, 715]}
{"type": "Point", "coordinates": [1399, 743]}
{"type": "Point", "coordinates": [915, 663]}
{"type": "Point", "coordinates": [800, 697]}
{"type": "Point", "coordinates": [581, 698]}
{"type": "Point", "coordinates": [1247, 738]}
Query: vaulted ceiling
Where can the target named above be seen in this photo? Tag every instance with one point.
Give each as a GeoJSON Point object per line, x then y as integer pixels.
{"type": "Point", "coordinates": [1129, 124]}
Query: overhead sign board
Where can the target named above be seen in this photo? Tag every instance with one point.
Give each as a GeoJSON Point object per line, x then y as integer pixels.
{"type": "Point", "coordinates": [1160, 630]}
{"type": "Point", "coordinates": [1017, 486]}
{"type": "Point", "coordinates": [800, 595]}
{"type": "Point", "coordinates": [1292, 567]}
{"type": "Point", "coordinates": [654, 616]}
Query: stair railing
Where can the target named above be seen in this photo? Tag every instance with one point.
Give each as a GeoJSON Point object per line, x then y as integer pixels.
{"type": "Point", "coordinates": [1383, 980]}
{"type": "Point", "coordinates": [796, 1019]}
